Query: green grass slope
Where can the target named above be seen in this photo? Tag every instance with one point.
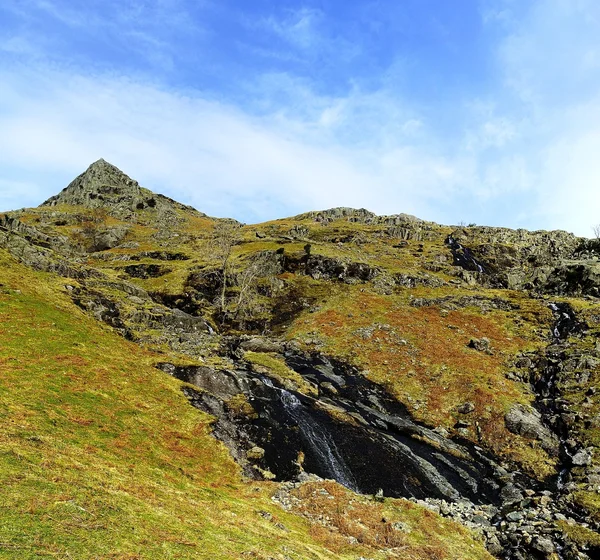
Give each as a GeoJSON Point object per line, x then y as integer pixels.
{"type": "Point", "coordinates": [102, 457]}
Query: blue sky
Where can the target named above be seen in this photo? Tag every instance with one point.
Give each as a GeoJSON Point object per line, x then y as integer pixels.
{"type": "Point", "coordinates": [475, 111]}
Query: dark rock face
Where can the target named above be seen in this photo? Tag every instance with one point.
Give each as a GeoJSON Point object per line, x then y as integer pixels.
{"type": "Point", "coordinates": [322, 267]}
{"type": "Point", "coordinates": [396, 455]}
{"type": "Point", "coordinates": [566, 322]}
{"type": "Point", "coordinates": [465, 258]}
{"type": "Point", "coordinates": [146, 270]}
{"type": "Point", "coordinates": [353, 432]}
{"type": "Point", "coordinates": [327, 268]}
{"type": "Point", "coordinates": [545, 262]}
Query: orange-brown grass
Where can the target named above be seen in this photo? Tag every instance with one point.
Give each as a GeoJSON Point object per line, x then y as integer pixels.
{"type": "Point", "coordinates": [421, 355]}
{"type": "Point", "coordinates": [339, 517]}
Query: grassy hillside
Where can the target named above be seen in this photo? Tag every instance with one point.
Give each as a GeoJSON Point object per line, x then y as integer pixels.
{"type": "Point", "coordinates": [419, 353]}
{"type": "Point", "coordinates": [102, 457]}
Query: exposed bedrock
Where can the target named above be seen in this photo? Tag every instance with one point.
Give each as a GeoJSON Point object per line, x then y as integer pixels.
{"type": "Point", "coordinates": [352, 431]}
{"type": "Point", "coordinates": [545, 262]}
{"type": "Point", "coordinates": [349, 429]}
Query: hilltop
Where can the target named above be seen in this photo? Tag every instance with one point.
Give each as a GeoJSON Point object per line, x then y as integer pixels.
{"type": "Point", "coordinates": [177, 363]}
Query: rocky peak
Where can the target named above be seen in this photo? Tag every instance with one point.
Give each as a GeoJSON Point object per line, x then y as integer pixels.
{"type": "Point", "coordinates": [103, 185]}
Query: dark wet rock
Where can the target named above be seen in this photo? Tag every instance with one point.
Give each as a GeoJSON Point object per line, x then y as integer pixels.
{"type": "Point", "coordinates": [566, 323]}
{"type": "Point", "coordinates": [144, 271]}
{"type": "Point", "coordinates": [100, 307]}
{"type": "Point", "coordinates": [411, 460]}
{"type": "Point", "coordinates": [319, 267]}
{"type": "Point", "coordinates": [465, 258]}
{"type": "Point", "coordinates": [164, 255]}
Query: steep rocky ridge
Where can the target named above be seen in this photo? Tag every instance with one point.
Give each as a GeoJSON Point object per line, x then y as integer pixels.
{"type": "Point", "coordinates": [547, 262]}
{"type": "Point", "coordinates": [102, 185]}
{"type": "Point", "coordinates": [466, 355]}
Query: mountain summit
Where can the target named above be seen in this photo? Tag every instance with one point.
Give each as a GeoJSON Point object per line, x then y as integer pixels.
{"type": "Point", "coordinates": [103, 185]}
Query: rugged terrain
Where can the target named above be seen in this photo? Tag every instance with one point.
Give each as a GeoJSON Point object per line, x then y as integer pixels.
{"type": "Point", "coordinates": [179, 386]}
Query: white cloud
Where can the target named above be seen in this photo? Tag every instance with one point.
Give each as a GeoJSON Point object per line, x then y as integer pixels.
{"type": "Point", "coordinates": [524, 156]}
{"type": "Point", "coordinates": [363, 150]}
{"type": "Point", "coordinates": [208, 153]}
{"type": "Point", "coordinates": [547, 61]}
{"type": "Point", "coordinates": [298, 27]}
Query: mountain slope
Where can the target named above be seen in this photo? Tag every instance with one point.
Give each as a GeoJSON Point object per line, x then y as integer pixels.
{"type": "Point", "coordinates": [452, 365]}
{"type": "Point", "coordinates": [102, 457]}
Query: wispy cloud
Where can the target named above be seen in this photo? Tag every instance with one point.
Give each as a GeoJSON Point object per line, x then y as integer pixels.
{"type": "Point", "coordinates": [145, 29]}
{"type": "Point", "coordinates": [277, 141]}
{"type": "Point", "coordinates": [211, 154]}
{"type": "Point", "coordinates": [299, 27]}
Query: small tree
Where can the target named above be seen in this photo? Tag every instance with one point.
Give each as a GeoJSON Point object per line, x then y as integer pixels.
{"type": "Point", "coordinates": [260, 272]}
{"type": "Point", "coordinates": [91, 224]}
{"type": "Point", "coordinates": [596, 230]}
{"type": "Point", "coordinates": [226, 235]}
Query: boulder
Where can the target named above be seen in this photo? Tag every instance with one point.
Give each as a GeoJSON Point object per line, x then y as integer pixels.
{"type": "Point", "coordinates": [511, 494]}
{"type": "Point", "coordinates": [544, 545]}
{"type": "Point", "coordinates": [582, 458]}
{"type": "Point", "coordinates": [527, 422]}
{"type": "Point", "coordinates": [480, 344]}
{"type": "Point", "coordinates": [466, 408]}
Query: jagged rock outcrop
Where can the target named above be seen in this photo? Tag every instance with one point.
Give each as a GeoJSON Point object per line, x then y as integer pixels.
{"type": "Point", "coordinates": [38, 250]}
{"type": "Point", "coordinates": [105, 187]}
{"type": "Point", "coordinates": [400, 226]}
{"type": "Point", "coordinates": [552, 262]}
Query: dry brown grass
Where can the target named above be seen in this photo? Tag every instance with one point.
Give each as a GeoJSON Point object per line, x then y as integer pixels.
{"type": "Point", "coordinates": [421, 355]}
{"type": "Point", "coordinates": [401, 528]}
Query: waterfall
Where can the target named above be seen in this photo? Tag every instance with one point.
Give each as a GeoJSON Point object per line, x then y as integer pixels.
{"type": "Point", "coordinates": [467, 257]}
{"type": "Point", "coordinates": [317, 439]}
